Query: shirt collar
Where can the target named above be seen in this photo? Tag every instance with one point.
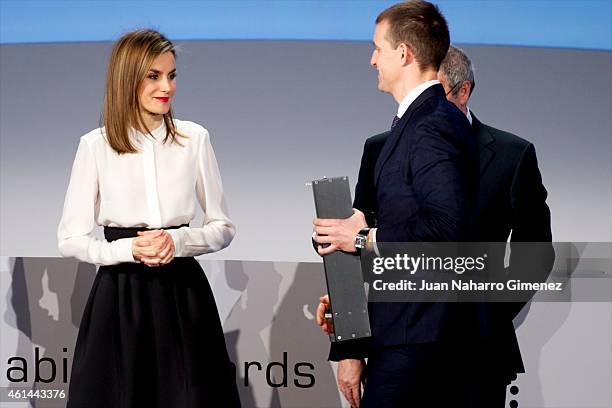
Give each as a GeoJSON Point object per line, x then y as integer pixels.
{"type": "Point", "coordinates": [469, 115]}
{"type": "Point", "coordinates": [412, 95]}
{"type": "Point", "coordinates": [158, 133]}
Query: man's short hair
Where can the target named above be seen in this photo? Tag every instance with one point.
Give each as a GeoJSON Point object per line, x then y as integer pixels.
{"type": "Point", "coordinates": [456, 68]}
{"type": "Point", "coordinates": [422, 27]}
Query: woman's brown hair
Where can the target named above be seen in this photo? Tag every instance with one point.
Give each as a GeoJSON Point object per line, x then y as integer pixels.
{"type": "Point", "coordinates": [129, 63]}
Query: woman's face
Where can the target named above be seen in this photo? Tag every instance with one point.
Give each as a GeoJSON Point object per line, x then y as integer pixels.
{"type": "Point", "coordinates": [157, 89]}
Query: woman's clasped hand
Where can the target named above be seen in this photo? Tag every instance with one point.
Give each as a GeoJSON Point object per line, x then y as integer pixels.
{"type": "Point", "coordinates": [153, 248]}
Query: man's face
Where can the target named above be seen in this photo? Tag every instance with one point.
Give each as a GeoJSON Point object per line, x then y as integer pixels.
{"type": "Point", "coordinates": [386, 59]}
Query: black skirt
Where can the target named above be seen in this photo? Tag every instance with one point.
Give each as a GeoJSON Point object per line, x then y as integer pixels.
{"type": "Point", "coordinates": [151, 337]}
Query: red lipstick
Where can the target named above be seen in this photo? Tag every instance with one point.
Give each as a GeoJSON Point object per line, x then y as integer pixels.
{"type": "Point", "coordinates": [162, 98]}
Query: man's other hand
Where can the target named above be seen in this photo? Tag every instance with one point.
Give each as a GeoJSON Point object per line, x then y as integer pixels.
{"type": "Point", "coordinates": [323, 308]}
{"type": "Point", "coordinates": [350, 375]}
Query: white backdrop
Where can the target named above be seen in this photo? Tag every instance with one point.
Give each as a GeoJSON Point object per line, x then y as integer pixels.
{"type": "Point", "coordinates": [282, 113]}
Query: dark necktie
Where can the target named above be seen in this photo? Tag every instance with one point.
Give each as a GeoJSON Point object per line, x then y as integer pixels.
{"type": "Point", "coordinates": [395, 121]}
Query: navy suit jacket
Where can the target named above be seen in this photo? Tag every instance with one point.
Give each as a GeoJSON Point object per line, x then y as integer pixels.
{"type": "Point", "coordinates": [427, 173]}
{"type": "Point", "coordinates": [426, 179]}
{"type": "Point", "coordinates": [511, 199]}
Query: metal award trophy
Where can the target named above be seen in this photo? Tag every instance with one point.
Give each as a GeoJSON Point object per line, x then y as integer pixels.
{"type": "Point", "coordinates": [345, 284]}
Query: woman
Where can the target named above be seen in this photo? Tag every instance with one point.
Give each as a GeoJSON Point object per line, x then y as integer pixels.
{"type": "Point", "coordinates": [150, 334]}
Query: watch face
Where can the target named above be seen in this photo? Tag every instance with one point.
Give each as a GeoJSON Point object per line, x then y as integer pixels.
{"type": "Point", "coordinates": [360, 241]}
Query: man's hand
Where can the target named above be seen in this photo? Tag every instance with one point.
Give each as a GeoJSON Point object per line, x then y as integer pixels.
{"type": "Point", "coordinates": [350, 376]}
{"type": "Point", "coordinates": [326, 324]}
{"type": "Point", "coordinates": [153, 248]}
{"type": "Point", "coordinates": [339, 234]}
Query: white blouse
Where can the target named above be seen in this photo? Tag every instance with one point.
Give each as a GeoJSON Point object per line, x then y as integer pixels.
{"type": "Point", "coordinates": [153, 188]}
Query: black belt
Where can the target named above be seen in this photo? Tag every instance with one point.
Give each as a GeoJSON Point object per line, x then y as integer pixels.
{"type": "Point", "coordinates": [115, 233]}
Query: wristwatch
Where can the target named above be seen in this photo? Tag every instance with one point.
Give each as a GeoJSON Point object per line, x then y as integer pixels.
{"type": "Point", "coordinates": [362, 238]}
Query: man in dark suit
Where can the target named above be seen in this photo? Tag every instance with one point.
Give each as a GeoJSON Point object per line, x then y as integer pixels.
{"type": "Point", "coordinates": [511, 202]}
{"type": "Point", "coordinates": [511, 197]}
{"type": "Point", "coordinates": [426, 179]}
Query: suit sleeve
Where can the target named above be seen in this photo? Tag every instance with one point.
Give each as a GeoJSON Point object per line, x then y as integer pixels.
{"type": "Point", "coordinates": [365, 194]}
{"type": "Point", "coordinates": [530, 214]}
{"type": "Point", "coordinates": [354, 349]}
{"type": "Point", "coordinates": [530, 224]}
{"type": "Point", "coordinates": [438, 170]}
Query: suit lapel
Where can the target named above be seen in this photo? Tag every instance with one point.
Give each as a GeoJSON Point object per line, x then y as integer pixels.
{"type": "Point", "coordinates": [398, 130]}
{"type": "Point", "coordinates": [390, 144]}
{"type": "Point", "coordinates": [486, 143]}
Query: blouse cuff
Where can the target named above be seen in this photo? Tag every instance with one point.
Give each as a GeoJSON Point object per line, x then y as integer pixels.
{"type": "Point", "coordinates": [124, 250]}
{"type": "Point", "coordinates": [178, 242]}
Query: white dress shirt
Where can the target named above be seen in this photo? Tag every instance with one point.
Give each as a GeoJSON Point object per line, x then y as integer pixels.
{"type": "Point", "coordinates": [153, 188]}
{"type": "Point", "coordinates": [413, 95]}
{"type": "Point", "coordinates": [468, 114]}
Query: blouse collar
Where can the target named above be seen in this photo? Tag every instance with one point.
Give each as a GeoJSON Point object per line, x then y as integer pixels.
{"type": "Point", "coordinates": [158, 133]}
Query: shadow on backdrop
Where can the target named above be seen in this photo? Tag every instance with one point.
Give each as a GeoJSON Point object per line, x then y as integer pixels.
{"type": "Point", "coordinates": [556, 315]}
{"type": "Point", "coordinates": [259, 284]}
{"type": "Point", "coordinates": [295, 331]}
{"type": "Point", "coordinates": [48, 296]}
